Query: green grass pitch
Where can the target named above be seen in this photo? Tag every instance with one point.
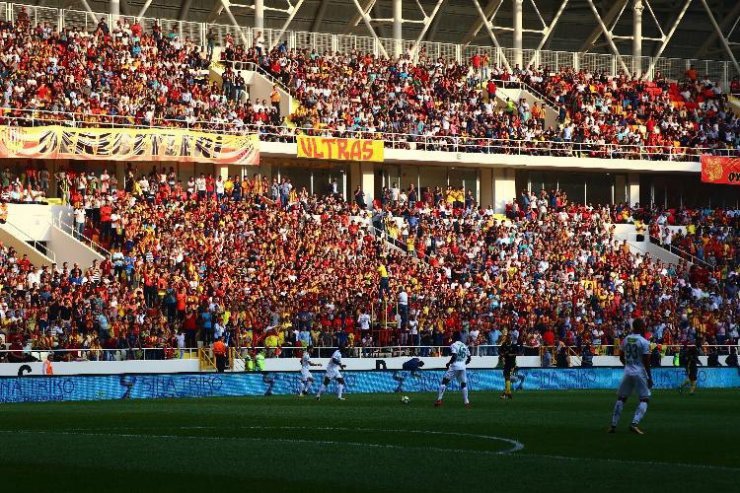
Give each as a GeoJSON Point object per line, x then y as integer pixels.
{"type": "Point", "coordinates": [373, 443]}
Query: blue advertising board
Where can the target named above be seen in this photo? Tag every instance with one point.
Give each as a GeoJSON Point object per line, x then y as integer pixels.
{"type": "Point", "coordinates": [159, 386]}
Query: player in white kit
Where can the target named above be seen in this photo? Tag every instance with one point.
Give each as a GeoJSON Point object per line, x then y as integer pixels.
{"type": "Point", "coordinates": [456, 368]}
{"type": "Point", "coordinates": [333, 373]}
{"type": "Point", "coordinates": [306, 377]}
{"type": "Point", "coordinates": [637, 377]}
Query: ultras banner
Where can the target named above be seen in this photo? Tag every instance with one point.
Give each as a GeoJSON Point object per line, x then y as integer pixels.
{"type": "Point", "coordinates": [128, 144]}
{"type": "Point", "coordinates": [721, 170]}
{"type": "Point", "coordinates": [340, 149]}
{"type": "Point", "coordinates": [159, 386]}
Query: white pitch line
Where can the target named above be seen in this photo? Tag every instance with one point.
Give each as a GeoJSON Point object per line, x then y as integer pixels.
{"type": "Point", "coordinates": [78, 432]}
{"type": "Point", "coordinates": [517, 446]}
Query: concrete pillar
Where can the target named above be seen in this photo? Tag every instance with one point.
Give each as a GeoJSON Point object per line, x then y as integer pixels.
{"type": "Point", "coordinates": [633, 187]}
{"type": "Point", "coordinates": [637, 9]}
{"type": "Point", "coordinates": [398, 27]}
{"type": "Point", "coordinates": [259, 14]}
{"type": "Point", "coordinates": [367, 181]}
{"type": "Point", "coordinates": [620, 189]}
{"type": "Point", "coordinates": [504, 188]}
{"type": "Point", "coordinates": [518, 32]}
{"type": "Point", "coordinates": [486, 187]}
{"type": "Point", "coordinates": [115, 9]}
{"type": "Point", "coordinates": [221, 170]}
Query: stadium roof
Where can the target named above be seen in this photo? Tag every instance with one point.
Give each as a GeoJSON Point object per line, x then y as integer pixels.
{"type": "Point", "coordinates": [458, 21]}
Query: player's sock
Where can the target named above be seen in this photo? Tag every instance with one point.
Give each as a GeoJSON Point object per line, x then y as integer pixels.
{"type": "Point", "coordinates": [693, 387]}
{"type": "Point", "coordinates": [465, 395]}
{"type": "Point", "coordinates": [508, 387]}
{"type": "Point", "coordinates": [340, 390]}
{"type": "Point", "coordinates": [441, 391]}
{"type": "Point", "coordinates": [639, 413]}
{"type": "Point", "coordinates": [618, 406]}
{"type": "Point", "coordinates": [321, 390]}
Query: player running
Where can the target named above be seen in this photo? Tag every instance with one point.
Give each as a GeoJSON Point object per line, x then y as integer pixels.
{"type": "Point", "coordinates": [508, 352]}
{"type": "Point", "coordinates": [692, 368]}
{"type": "Point", "coordinates": [635, 356]}
{"type": "Point", "coordinates": [333, 373]}
{"type": "Point", "coordinates": [306, 377]}
{"type": "Point", "coordinates": [456, 369]}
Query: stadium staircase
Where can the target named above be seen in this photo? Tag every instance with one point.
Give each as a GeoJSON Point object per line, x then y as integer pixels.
{"type": "Point", "coordinates": [37, 251]}
{"type": "Point", "coordinates": [518, 90]}
{"type": "Point", "coordinates": [44, 233]}
{"type": "Point", "coordinates": [628, 232]}
{"type": "Point", "coordinates": [258, 81]}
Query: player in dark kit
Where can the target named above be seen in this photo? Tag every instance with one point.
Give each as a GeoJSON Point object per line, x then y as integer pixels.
{"type": "Point", "coordinates": [508, 352]}
{"type": "Point", "coordinates": [692, 368]}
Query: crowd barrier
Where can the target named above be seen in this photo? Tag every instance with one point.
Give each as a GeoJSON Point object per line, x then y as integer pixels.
{"type": "Point", "coordinates": [114, 387]}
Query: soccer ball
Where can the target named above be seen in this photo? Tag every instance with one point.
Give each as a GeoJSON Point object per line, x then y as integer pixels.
{"type": "Point", "coordinates": [405, 399]}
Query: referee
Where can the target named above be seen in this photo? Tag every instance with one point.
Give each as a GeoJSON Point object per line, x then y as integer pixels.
{"type": "Point", "coordinates": [508, 352]}
{"type": "Point", "coordinates": [692, 367]}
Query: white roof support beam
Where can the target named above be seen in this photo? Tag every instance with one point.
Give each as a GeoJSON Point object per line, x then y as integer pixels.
{"type": "Point", "coordinates": [366, 8]}
{"type": "Point", "coordinates": [293, 11]}
{"type": "Point", "coordinates": [609, 38]}
{"type": "Point", "coordinates": [227, 8]}
{"type": "Point", "coordinates": [428, 19]}
{"type": "Point", "coordinates": [667, 37]}
{"type": "Point", "coordinates": [548, 30]}
{"type": "Point", "coordinates": [488, 25]}
{"type": "Point", "coordinates": [615, 12]}
{"type": "Point", "coordinates": [734, 14]}
{"type": "Point", "coordinates": [488, 13]}
{"type": "Point", "coordinates": [368, 24]}
{"type": "Point", "coordinates": [316, 24]}
{"type": "Point", "coordinates": [184, 9]}
{"type": "Point", "coordinates": [144, 8]}
{"type": "Point", "coordinates": [725, 42]}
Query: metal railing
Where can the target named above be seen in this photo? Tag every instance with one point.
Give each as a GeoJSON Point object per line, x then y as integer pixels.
{"type": "Point", "coordinates": [389, 351]}
{"type": "Point", "coordinates": [682, 253]}
{"type": "Point", "coordinates": [94, 354]}
{"type": "Point", "coordinates": [39, 246]}
{"type": "Point", "coordinates": [237, 65]}
{"type": "Point", "coordinates": [507, 84]}
{"type": "Point", "coordinates": [671, 68]}
{"type": "Point", "coordinates": [439, 143]}
{"type": "Point", "coordinates": [68, 230]}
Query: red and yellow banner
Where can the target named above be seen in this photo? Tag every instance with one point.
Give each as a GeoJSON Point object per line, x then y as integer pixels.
{"type": "Point", "coordinates": [340, 149]}
{"type": "Point", "coordinates": [720, 169]}
{"type": "Point", "coordinates": [128, 144]}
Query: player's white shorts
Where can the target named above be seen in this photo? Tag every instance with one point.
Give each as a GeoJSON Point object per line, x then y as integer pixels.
{"type": "Point", "coordinates": [306, 374]}
{"type": "Point", "coordinates": [634, 383]}
{"type": "Point", "coordinates": [460, 375]}
{"type": "Point", "coordinates": [332, 373]}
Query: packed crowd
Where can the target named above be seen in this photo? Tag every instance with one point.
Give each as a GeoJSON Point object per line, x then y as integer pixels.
{"type": "Point", "coordinates": [710, 235]}
{"type": "Point", "coordinates": [29, 186]}
{"type": "Point", "coordinates": [658, 114]}
{"type": "Point", "coordinates": [116, 75]}
{"type": "Point", "coordinates": [261, 264]}
{"type": "Point", "coordinates": [123, 75]}
{"type": "Point", "coordinates": [446, 105]}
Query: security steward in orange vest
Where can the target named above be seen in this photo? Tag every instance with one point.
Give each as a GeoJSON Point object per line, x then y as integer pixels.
{"type": "Point", "coordinates": [219, 351]}
{"type": "Point", "coordinates": [48, 367]}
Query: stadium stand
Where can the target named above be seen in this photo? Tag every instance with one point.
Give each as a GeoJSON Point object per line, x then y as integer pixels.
{"type": "Point", "coordinates": [435, 104]}
{"type": "Point", "coordinates": [271, 264]}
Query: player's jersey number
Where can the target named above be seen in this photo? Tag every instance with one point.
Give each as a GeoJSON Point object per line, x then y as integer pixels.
{"type": "Point", "coordinates": [632, 353]}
